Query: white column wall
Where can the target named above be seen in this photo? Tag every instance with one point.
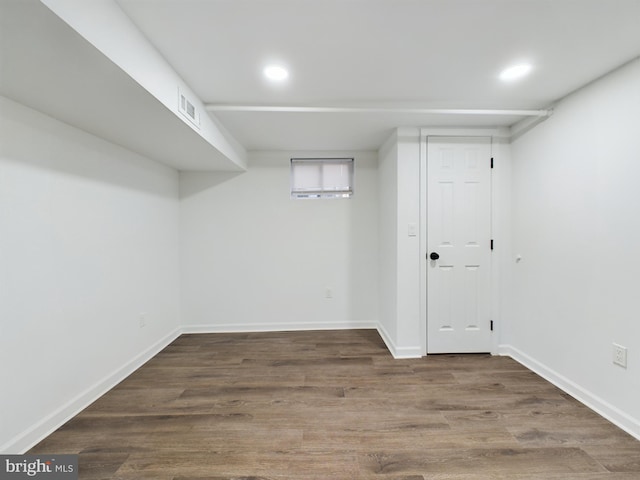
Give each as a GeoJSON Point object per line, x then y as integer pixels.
{"type": "Point", "coordinates": [409, 343]}
{"type": "Point", "coordinates": [399, 255]}
{"type": "Point", "coordinates": [388, 240]}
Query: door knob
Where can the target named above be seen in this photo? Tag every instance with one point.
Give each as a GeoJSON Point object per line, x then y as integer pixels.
{"type": "Point", "coordinates": [434, 256]}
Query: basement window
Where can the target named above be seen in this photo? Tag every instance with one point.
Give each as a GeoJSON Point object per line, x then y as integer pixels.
{"type": "Point", "coordinates": [321, 178]}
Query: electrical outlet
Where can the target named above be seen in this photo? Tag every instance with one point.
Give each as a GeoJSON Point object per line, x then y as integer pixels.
{"type": "Point", "coordinates": [620, 355]}
{"type": "Point", "coordinates": [142, 318]}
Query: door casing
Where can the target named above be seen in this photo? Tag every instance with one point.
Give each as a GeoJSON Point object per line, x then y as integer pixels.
{"type": "Point", "coordinates": [499, 140]}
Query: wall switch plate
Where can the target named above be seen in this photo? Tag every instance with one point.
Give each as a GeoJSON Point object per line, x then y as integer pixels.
{"type": "Point", "coordinates": [328, 293]}
{"type": "Point", "coordinates": [142, 318]}
{"type": "Point", "coordinates": [620, 355]}
{"type": "Point", "coordinates": [412, 230]}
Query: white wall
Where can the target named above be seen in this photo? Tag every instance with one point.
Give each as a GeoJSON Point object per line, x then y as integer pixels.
{"type": "Point", "coordinates": [502, 256]}
{"type": "Point", "coordinates": [409, 341]}
{"type": "Point", "coordinates": [576, 223]}
{"type": "Point", "coordinates": [388, 240]}
{"type": "Point", "coordinates": [399, 256]}
{"type": "Point", "coordinates": [88, 241]}
{"type": "Point", "coordinates": [253, 259]}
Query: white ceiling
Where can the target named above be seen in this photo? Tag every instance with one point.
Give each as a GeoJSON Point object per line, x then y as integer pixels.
{"type": "Point", "coordinates": [396, 53]}
{"type": "Point", "coordinates": [341, 53]}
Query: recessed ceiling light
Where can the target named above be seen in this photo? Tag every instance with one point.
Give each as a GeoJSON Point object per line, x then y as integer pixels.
{"type": "Point", "coordinates": [276, 73]}
{"type": "Point", "coordinates": [515, 72]}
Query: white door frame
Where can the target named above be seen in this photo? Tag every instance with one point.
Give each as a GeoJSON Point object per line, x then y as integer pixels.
{"type": "Point", "coordinates": [497, 135]}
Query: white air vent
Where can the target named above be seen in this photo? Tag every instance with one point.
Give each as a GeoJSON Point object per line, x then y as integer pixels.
{"type": "Point", "coordinates": [188, 109]}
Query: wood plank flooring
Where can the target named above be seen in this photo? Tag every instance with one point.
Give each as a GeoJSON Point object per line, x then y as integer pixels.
{"type": "Point", "coordinates": [336, 405]}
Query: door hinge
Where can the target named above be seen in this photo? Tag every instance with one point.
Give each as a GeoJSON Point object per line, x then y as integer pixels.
{"type": "Point", "coordinates": [491, 162]}
{"type": "Point", "coordinates": [492, 244]}
{"type": "Point", "coordinates": [491, 325]}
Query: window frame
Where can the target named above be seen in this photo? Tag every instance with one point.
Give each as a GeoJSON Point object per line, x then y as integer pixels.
{"type": "Point", "coordinates": [323, 192]}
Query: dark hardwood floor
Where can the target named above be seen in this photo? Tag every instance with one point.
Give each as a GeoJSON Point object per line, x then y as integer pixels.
{"type": "Point", "coordinates": [335, 404]}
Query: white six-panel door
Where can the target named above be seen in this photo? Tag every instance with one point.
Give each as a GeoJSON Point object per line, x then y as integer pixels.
{"type": "Point", "coordinates": [459, 233]}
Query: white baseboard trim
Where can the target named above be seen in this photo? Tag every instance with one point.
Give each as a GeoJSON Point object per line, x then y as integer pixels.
{"type": "Point", "coordinates": [594, 402]}
{"type": "Point", "coordinates": [278, 327]}
{"type": "Point", "coordinates": [398, 352]}
{"type": "Point", "coordinates": [52, 422]}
